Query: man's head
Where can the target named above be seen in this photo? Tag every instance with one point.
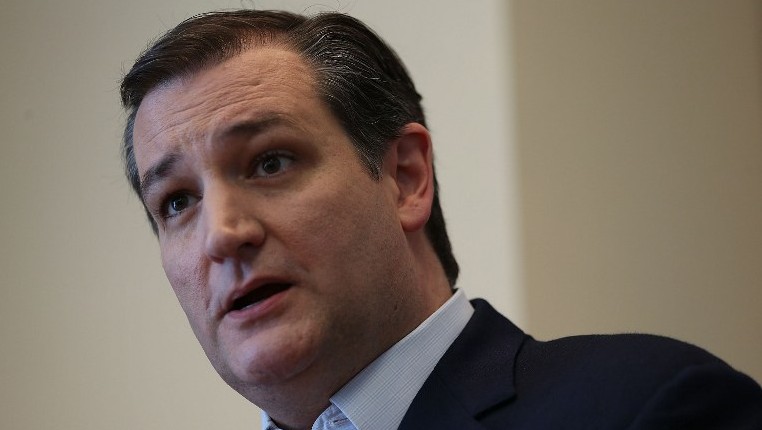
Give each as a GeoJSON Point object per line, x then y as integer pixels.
{"type": "Point", "coordinates": [283, 163]}
{"type": "Point", "coordinates": [359, 77]}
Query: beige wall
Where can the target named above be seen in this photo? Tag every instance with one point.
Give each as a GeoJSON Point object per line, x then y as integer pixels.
{"type": "Point", "coordinates": [640, 161]}
{"type": "Point", "coordinates": [640, 149]}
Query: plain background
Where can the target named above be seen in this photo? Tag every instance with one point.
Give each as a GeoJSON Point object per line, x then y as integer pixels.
{"type": "Point", "coordinates": [600, 164]}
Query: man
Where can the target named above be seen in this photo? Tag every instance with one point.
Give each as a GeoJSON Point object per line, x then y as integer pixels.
{"type": "Point", "coordinates": [285, 165]}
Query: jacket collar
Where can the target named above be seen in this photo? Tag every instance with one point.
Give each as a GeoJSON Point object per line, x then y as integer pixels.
{"type": "Point", "coordinates": [475, 374]}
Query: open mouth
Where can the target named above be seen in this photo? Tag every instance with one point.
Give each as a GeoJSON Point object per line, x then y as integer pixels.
{"type": "Point", "coordinates": [262, 293]}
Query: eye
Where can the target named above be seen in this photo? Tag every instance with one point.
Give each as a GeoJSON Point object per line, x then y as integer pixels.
{"type": "Point", "coordinates": [271, 163]}
{"type": "Point", "coordinates": [177, 203]}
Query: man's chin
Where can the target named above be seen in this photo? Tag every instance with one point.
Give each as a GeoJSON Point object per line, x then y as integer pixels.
{"type": "Point", "coordinates": [264, 368]}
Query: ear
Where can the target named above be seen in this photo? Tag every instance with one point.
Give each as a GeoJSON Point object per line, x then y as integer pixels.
{"type": "Point", "coordinates": [408, 168]}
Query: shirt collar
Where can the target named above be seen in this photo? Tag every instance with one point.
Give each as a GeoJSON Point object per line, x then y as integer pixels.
{"type": "Point", "coordinates": [378, 397]}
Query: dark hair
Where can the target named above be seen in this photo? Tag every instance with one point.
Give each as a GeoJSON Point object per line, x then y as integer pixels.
{"type": "Point", "coordinates": [359, 77]}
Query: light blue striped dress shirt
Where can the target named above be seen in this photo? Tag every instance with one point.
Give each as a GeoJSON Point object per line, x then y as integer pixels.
{"type": "Point", "coordinates": [378, 397]}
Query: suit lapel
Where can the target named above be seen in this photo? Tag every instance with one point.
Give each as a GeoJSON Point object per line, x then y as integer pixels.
{"type": "Point", "coordinates": [474, 375]}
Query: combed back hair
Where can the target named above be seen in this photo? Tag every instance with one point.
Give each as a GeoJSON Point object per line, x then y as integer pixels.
{"type": "Point", "coordinates": [358, 76]}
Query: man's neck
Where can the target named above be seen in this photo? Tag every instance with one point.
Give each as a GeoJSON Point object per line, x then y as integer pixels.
{"type": "Point", "coordinates": [378, 397]}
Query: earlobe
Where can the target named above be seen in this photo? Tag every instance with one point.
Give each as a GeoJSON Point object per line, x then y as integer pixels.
{"type": "Point", "coordinates": [408, 164]}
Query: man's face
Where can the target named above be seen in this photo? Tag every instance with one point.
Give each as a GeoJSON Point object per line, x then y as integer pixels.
{"type": "Point", "coordinates": [287, 257]}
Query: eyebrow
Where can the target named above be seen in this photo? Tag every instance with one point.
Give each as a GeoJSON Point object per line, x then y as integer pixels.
{"type": "Point", "coordinates": [250, 128]}
{"type": "Point", "coordinates": [167, 163]}
{"type": "Point", "coordinates": [157, 172]}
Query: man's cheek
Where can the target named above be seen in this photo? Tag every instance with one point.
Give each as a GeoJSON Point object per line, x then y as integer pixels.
{"type": "Point", "coordinates": [188, 284]}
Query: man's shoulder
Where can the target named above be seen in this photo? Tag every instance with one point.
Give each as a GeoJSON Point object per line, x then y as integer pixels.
{"type": "Point", "coordinates": [628, 355]}
{"type": "Point", "coordinates": [633, 381]}
{"type": "Point", "coordinates": [593, 353]}
{"type": "Point", "coordinates": [615, 366]}
{"type": "Point", "coordinates": [599, 381]}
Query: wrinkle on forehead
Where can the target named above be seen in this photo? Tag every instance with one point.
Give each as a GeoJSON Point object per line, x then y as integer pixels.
{"type": "Point", "coordinates": [250, 82]}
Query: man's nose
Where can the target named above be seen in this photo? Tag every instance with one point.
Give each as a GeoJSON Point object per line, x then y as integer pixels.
{"type": "Point", "coordinates": [231, 225]}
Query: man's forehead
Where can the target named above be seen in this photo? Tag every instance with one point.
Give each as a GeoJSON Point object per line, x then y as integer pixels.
{"type": "Point", "coordinates": [254, 66]}
{"type": "Point", "coordinates": [191, 106]}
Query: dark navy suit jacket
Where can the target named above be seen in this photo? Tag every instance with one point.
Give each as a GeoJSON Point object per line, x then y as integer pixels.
{"type": "Point", "coordinates": [496, 377]}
